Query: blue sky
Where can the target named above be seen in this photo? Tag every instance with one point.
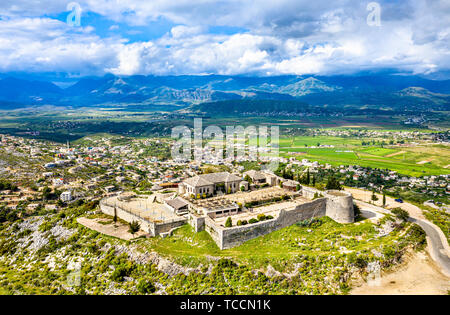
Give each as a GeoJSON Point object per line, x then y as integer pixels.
{"type": "Point", "coordinates": [261, 37]}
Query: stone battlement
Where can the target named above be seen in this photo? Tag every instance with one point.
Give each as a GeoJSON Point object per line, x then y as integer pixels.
{"type": "Point", "coordinates": [337, 205]}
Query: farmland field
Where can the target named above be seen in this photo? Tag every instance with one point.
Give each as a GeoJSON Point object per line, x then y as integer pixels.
{"type": "Point", "coordinates": [411, 160]}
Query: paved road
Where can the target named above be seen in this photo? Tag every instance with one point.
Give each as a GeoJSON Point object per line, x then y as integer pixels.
{"type": "Point", "coordinates": [437, 249]}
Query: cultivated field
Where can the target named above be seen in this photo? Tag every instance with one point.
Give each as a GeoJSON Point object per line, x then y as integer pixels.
{"type": "Point", "coordinates": [413, 160]}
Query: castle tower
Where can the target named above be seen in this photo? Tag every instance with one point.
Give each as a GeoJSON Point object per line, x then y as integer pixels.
{"type": "Point", "coordinates": [340, 206]}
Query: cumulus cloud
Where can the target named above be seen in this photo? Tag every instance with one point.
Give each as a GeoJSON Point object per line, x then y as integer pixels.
{"type": "Point", "coordinates": [280, 37]}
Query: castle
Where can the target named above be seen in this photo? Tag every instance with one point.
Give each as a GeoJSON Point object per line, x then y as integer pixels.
{"type": "Point", "coordinates": [208, 201]}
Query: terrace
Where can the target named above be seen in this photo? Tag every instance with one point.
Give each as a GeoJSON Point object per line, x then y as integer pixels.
{"type": "Point", "coordinates": [146, 208]}
{"type": "Point", "coordinates": [268, 210]}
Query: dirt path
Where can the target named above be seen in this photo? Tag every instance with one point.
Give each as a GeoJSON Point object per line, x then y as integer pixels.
{"type": "Point", "coordinates": [116, 230]}
{"type": "Point", "coordinates": [418, 275]}
{"type": "Point", "coordinates": [394, 154]}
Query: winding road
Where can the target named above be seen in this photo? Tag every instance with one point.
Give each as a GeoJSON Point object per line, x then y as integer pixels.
{"type": "Point", "coordinates": [438, 247]}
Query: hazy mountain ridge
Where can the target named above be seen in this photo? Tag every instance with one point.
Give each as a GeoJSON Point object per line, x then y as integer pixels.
{"type": "Point", "coordinates": [385, 90]}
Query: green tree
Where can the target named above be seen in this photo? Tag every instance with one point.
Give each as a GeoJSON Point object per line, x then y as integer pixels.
{"type": "Point", "coordinates": [374, 196]}
{"type": "Point", "coordinates": [333, 183]}
{"type": "Point", "coordinates": [46, 193]}
{"type": "Point", "coordinates": [134, 227]}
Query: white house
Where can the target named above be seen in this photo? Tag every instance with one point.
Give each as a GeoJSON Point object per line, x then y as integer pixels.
{"type": "Point", "coordinates": [66, 196]}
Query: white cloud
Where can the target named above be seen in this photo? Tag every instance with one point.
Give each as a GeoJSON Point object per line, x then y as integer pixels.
{"type": "Point", "coordinates": [286, 36]}
{"type": "Point", "coordinates": [183, 31]}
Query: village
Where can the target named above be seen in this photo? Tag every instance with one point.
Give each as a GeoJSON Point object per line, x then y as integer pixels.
{"type": "Point", "coordinates": [49, 175]}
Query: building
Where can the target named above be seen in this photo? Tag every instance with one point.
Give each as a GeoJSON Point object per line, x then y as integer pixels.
{"type": "Point", "coordinates": [178, 205]}
{"type": "Point", "coordinates": [291, 185]}
{"type": "Point", "coordinates": [210, 184]}
{"type": "Point", "coordinates": [257, 178]}
{"type": "Point", "coordinates": [66, 196]}
{"type": "Point", "coordinates": [262, 177]}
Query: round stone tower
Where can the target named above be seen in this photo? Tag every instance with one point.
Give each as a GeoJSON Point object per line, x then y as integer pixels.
{"type": "Point", "coordinates": [340, 206]}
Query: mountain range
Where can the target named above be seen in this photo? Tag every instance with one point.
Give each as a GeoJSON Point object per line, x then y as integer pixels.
{"type": "Point", "coordinates": [384, 90]}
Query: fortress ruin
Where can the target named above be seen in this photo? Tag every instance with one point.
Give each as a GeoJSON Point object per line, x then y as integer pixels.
{"type": "Point", "coordinates": [276, 207]}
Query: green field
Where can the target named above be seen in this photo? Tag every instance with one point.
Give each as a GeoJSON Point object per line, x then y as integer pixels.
{"type": "Point", "coordinates": [300, 142]}
{"type": "Point", "coordinates": [408, 160]}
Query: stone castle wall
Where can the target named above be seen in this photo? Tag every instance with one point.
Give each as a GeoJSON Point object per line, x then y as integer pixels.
{"type": "Point", "coordinates": [337, 205]}
{"type": "Point", "coordinates": [234, 236]}
{"type": "Point", "coordinates": [197, 222]}
{"type": "Point", "coordinates": [152, 228]}
{"type": "Point", "coordinates": [309, 192]}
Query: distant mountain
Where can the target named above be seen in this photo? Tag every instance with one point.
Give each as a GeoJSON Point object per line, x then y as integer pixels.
{"type": "Point", "coordinates": [298, 88]}
{"type": "Point", "coordinates": [183, 91]}
{"type": "Point", "coordinates": [29, 92]}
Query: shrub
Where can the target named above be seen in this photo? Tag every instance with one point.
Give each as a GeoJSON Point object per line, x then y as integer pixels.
{"type": "Point", "coordinates": [239, 223]}
{"type": "Point", "coordinates": [134, 227]}
{"type": "Point", "coordinates": [252, 220]}
{"type": "Point", "coordinates": [145, 286]}
{"type": "Point", "coordinates": [261, 217]}
{"type": "Point", "coordinates": [418, 235]}
{"type": "Point", "coordinates": [225, 263]}
{"type": "Point", "coordinates": [229, 222]}
{"type": "Point", "coordinates": [400, 213]}
{"type": "Point", "coordinates": [119, 273]}
{"type": "Point", "coordinates": [244, 222]}
{"type": "Point", "coordinates": [374, 197]}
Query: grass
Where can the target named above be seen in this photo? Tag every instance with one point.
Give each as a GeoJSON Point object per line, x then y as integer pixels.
{"type": "Point", "coordinates": [301, 141]}
{"type": "Point", "coordinates": [375, 157]}
{"type": "Point", "coordinates": [378, 151]}
{"type": "Point", "coordinates": [325, 237]}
